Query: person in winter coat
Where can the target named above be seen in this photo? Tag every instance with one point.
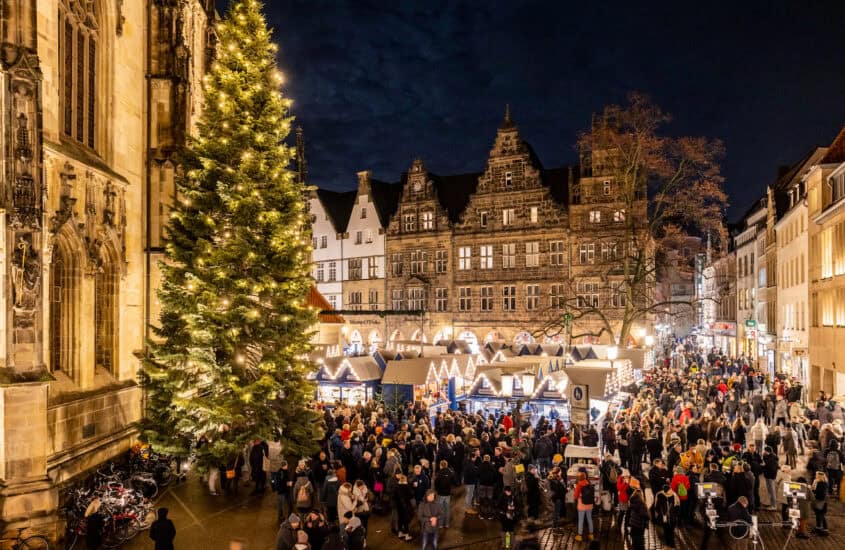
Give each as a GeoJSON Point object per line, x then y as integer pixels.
{"type": "Point", "coordinates": [681, 486]}
{"type": "Point", "coordinates": [509, 509]}
{"type": "Point", "coordinates": [584, 504]}
{"type": "Point", "coordinates": [356, 535]}
{"type": "Point", "coordinates": [758, 433]}
{"type": "Point", "coordinates": [317, 529]}
{"type": "Point", "coordinates": [557, 488]}
{"type": "Point", "coordinates": [470, 473]}
{"type": "Point", "coordinates": [790, 447]}
{"type": "Point", "coordinates": [443, 483]}
{"type": "Point", "coordinates": [638, 519]}
{"type": "Point", "coordinates": [259, 451]}
{"type": "Point", "coordinates": [666, 512]}
{"type": "Point", "coordinates": [303, 491]}
{"type": "Point", "coordinates": [533, 495]}
{"type": "Point", "coordinates": [820, 490]}
{"type": "Point", "coordinates": [284, 486]}
{"type": "Point", "coordinates": [329, 494]}
{"type": "Point", "coordinates": [361, 493]}
{"type": "Point", "coordinates": [419, 482]}
{"type": "Point", "coordinates": [346, 504]}
{"type": "Point", "coordinates": [162, 531]}
{"type": "Point", "coordinates": [622, 485]}
{"type": "Point", "coordinates": [403, 498]}
{"type": "Point", "coordinates": [771, 465]}
{"type": "Point", "coordinates": [286, 537]}
{"type": "Point", "coordinates": [430, 517]}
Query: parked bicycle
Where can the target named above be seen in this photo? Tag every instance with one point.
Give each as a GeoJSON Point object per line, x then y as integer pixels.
{"type": "Point", "coordinates": [32, 542]}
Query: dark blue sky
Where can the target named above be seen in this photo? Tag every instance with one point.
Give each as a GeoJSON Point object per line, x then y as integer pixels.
{"type": "Point", "coordinates": [376, 84]}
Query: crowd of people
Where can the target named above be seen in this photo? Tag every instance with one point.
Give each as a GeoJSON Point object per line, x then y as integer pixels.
{"type": "Point", "coordinates": [704, 419]}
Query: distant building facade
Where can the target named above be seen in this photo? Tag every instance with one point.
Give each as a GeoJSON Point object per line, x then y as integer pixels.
{"type": "Point", "coordinates": [478, 257]}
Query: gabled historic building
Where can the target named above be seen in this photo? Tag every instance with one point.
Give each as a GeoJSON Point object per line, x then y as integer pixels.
{"type": "Point", "coordinates": [825, 187]}
{"type": "Point", "coordinates": [485, 256]}
{"type": "Point", "coordinates": [329, 212]}
{"type": "Point", "coordinates": [96, 96]}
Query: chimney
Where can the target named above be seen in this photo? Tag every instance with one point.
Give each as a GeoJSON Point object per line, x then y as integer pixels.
{"type": "Point", "coordinates": [364, 182]}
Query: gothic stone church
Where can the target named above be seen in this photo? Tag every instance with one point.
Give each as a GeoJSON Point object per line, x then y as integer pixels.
{"type": "Point", "coordinates": [96, 95]}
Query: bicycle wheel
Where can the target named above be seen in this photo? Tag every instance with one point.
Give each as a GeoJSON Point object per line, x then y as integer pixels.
{"type": "Point", "coordinates": [35, 542]}
{"type": "Point", "coordinates": [128, 528]}
{"type": "Point", "coordinates": [71, 539]}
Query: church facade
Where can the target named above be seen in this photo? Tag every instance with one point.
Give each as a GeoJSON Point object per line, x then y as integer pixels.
{"type": "Point", "coordinates": [96, 97]}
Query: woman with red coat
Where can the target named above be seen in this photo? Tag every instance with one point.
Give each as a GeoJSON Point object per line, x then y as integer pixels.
{"type": "Point", "coordinates": [681, 480]}
{"type": "Point", "coordinates": [622, 484]}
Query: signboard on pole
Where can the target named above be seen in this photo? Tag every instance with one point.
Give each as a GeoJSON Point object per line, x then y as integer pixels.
{"type": "Point", "coordinates": [579, 397]}
{"type": "Point", "coordinates": [579, 417]}
{"type": "Point", "coordinates": [750, 323]}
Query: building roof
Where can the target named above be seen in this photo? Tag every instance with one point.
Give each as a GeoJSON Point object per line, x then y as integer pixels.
{"type": "Point", "coordinates": [319, 302]}
{"type": "Point", "coordinates": [386, 199]}
{"type": "Point", "coordinates": [453, 192]}
{"type": "Point", "coordinates": [836, 152]}
{"type": "Point", "coordinates": [338, 205]}
{"type": "Point", "coordinates": [558, 181]}
{"type": "Point", "coordinates": [408, 372]}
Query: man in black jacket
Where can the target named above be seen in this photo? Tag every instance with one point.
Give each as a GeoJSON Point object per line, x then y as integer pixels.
{"type": "Point", "coordinates": [752, 457]}
{"type": "Point", "coordinates": [487, 477]}
{"type": "Point", "coordinates": [771, 465]}
{"type": "Point", "coordinates": [638, 519]}
{"type": "Point", "coordinates": [443, 483]}
{"type": "Point", "coordinates": [162, 531]}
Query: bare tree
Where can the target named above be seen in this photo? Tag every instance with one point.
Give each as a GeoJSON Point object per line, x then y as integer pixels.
{"type": "Point", "coordinates": [661, 191]}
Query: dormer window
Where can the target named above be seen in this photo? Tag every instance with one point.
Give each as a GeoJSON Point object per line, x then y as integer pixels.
{"type": "Point", "coordinates": [508, 179]}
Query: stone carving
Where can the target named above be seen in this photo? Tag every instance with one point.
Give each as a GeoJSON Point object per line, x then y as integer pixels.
{"type": "Point", "coordinates": [108, 211]}
{"type": "Point", "coordinates": [24, 196]}
{"type": "Point", "coordinates": [26, 279]}
{"type": "Point", "coordinates": [66, 199]}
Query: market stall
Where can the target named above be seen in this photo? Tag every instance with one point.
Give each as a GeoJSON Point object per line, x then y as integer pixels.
{"type": "Point", "coordinates": [349, 380]}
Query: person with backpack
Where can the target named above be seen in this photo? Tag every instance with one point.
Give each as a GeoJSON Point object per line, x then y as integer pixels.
{"type": "Point", "coordinates": [303, 491]}
{"type": "Point", "coordinates": [585, 499]}
{"type": "Point", "coordinates": [666, 511]}
{"type": "Point", "coordinates": [820, 496]}
{"type": "Point", "coordinates": [680, 485]}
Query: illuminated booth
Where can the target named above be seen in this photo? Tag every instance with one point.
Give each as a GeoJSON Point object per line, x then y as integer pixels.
{"type": "Point", "coordinates": [349, 380]}
{"type": "Point", "coordinates": [437, 382]}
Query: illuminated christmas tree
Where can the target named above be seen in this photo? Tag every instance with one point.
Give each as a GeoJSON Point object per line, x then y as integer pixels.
{"type": "Point", "coordinates": [229, 361]}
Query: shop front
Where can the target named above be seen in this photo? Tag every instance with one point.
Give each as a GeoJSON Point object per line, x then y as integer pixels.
{"type": "Point", "coordinates": [724, 337]}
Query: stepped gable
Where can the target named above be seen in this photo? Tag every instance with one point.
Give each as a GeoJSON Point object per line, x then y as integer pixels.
{"type": "Point", "coordinates": [338, 205]}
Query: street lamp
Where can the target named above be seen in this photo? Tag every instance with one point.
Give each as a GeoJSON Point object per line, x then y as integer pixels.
{"type": "Point", "coordinates": [507, 385]}
{"type": "Point", "coordinates": [528, 381]}
{"type": "Point", "coordinates": [612, 354]}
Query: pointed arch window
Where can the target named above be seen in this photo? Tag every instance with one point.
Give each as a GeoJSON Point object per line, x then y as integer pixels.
{"type": "Point", "coordinates": [64, 284]}
{"type": "Point", "coordinates": [78, 70]}
{"type": "Point", "coordinates": [105, 314]}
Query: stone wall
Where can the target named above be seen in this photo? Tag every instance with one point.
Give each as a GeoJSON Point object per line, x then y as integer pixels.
{"type": "Point", "coordinates": [85, 432]}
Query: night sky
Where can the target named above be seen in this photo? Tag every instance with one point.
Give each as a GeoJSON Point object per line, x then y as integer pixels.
{"type": "Point", "coordinates": [376, 84]}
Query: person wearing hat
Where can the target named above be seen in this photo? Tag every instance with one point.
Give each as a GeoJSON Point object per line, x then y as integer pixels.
{"type": "Point", "coordinates": [356, 537]}
{"type": "Point", "coordinates": [286, 537]}
{"type": "Point", "coordinates": [637, 516]}
{"type": "Point", "coordinates": [301, 541]}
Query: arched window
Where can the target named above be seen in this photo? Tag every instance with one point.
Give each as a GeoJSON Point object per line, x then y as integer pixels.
{"type": "Point", "coordinates": [64, 284]}
{"type": "Point", "coordinates": [105, 315]}
{"type": "Point", "coordinates": [78, 70]}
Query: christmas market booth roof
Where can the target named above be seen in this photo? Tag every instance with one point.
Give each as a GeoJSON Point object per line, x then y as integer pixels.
{"type": "Point", "coordinates": [348, 369]}
{"type": "Point", "coordinates": [409, 372]}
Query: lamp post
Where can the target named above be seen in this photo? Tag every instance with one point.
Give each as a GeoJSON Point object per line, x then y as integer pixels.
{"type": "Point", "coordinates": [612, 354]}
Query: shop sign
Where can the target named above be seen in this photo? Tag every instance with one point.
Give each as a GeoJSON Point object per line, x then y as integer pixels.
{"type": "Point", "coordinates": [579, 397]}
{"type": "Point", "coordinates": [751, 334]}
{"type": "Point", "coordinates": [751, 323]}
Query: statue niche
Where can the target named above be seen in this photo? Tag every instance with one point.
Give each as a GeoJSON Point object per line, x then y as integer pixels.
{"type": "Point", "coordinates": [26, 279]}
